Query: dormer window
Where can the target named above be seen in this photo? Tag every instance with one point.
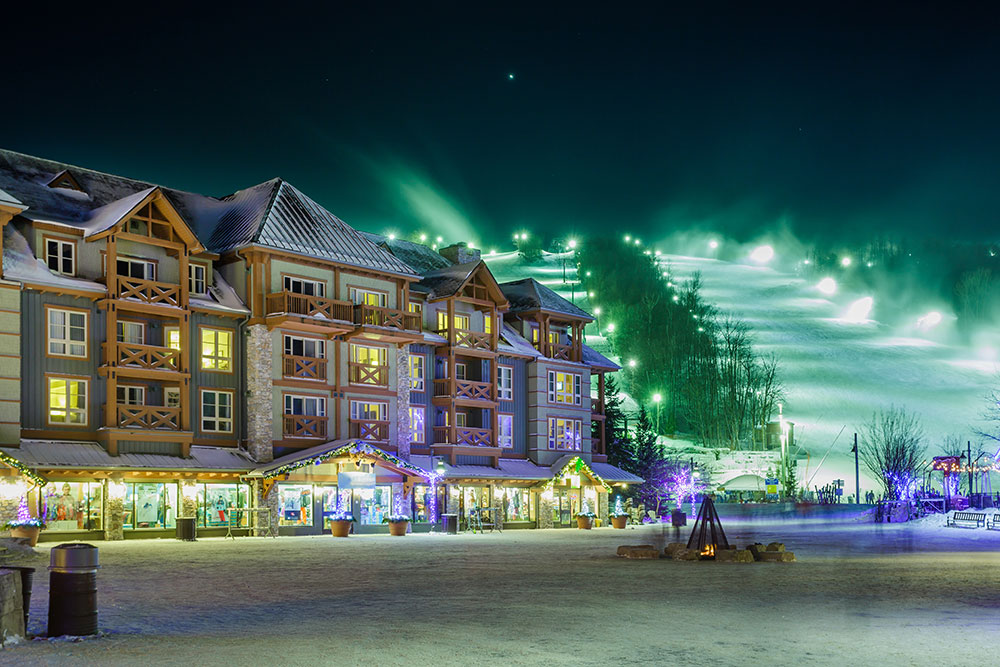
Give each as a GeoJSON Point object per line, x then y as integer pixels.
{"type": "Point", "coordinates": [196, 278]}
{"type": "Point", "coordinates": [60, 256]}
{"type": "Point", "coordinates": [65, 180]}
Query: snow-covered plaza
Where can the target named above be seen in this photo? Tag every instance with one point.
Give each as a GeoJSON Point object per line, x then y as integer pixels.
{"type": "Point", "coordinates": [860, 593]}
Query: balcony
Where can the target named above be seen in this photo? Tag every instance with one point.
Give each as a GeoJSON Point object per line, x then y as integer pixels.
{"type": "Point", "coordinates": [597, 408]}
{"type": "Point", "coordinates": [391, 318]}
{"type": "Point", "coordinates": [464, 436]}
{"type": "Point", "coordinates": [147, 357]}
{"type": "Point", "coordinates": [558, 351]}
{"type": "Point", "coordinates": [304, 426]}
{"type": "Point", "coordinates": [368, 429]}
{"type": "Point", "coordinates": [304, 368]}
{"type": "Point", "coordinates": [149, 292]}
{"type": "Point", "coordinates": [149, 417]}
{"type": "Point", "coordinates": [367, 374]}
{"type": "Point", "coordinates": [309, 306]}
{"type": "Point", "coordinates": [464, 389]}
{"type": "Point", "coordinates": [476, 340]}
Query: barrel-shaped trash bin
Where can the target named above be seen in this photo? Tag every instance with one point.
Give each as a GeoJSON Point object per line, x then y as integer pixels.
{"type": "Point", "coordinates": [186, 529]}
{"type": "Point", "coordinates": [73, 590]}
{"type": "Point", "coordinates": [27, 577]}
{"type": "Point", "coordinates": [449, 524]}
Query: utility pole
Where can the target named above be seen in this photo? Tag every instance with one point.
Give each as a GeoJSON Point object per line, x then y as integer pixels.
{"type": "Point", "coordinates": [968, 444]}
{"type": "Point", "coordinates": [857, 477]}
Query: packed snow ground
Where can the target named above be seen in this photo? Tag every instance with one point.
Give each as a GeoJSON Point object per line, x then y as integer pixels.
{"type": "Point", "coordinates": [860, 594]}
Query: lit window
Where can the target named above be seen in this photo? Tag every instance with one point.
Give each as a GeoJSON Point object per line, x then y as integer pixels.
{"type": "Point", "coordinates": [172, 397]}
{"type": "Point", "coordinates": [416, 307]}
{"type": "Point", "coordinates": [416, 372]}
{"type": "Point", "coordinates": [133, 333]}
{"type": "Point", "coordinates": [172, 337]}
{"type": "Point", "coordinates": [216, 350]}
{"type": "Point", "coordinates": [505, 383]}
{"type": "Point", "coordinates": [67, 401]}
{"type": "Point", "coordinates": [555, 337]}
{"type": "Point", "coordinates": [216, 411]}
{"type": "Point", "coordinates": [534, 333]}
{"type": "Point", "coordinates": [564, 388]}
{"type": "Point", "coordinates": [196, 279]}
{"type": "Point", "coordinates": [302, 286]}
{"type": "Point", "coordinates": [565, 433]}
{"type": "Point", "coordinates": [461, 371]}
{"type": "Point", "coordinates": [462, 322]}
{"type": "Point", "coordinates": [461, 419]}
{"type": "Point", "coordinates": [505, 431]}
{"type": "Point", "coordinates": [367, 297]}
{"type": "Point", "coordinates": [67, 333]}
{"type": "Point", "coordinates": [60, 256]}
{"type": "Point", "coordinates": [417, 424]}
{"type": "Point", "coordinates": [487, 322]}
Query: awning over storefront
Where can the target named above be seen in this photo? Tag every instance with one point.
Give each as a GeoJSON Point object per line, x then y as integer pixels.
{"type": "Point", "coordinates": [354, 449]}
{"type": "Point", "coordinates": [42, 455]}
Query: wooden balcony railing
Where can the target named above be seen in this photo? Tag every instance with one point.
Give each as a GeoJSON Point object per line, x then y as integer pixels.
{"type": "Point", "coordinates": [149, 291]}
{"type": "Point", "coordinates": [311, 306]}
{"type": "Point", "coordinates": [149, 416]}
{"type": "Point", "coordinates": [386, 317]}
{"type": "Point", "coordinates": [306, 368]}
{"type": "Point", "coordinates": [597, 438]}
{"type": "Point", "coordinates": [304, 426]}
{"type": "Point", "coordinates": [469, 437]}
{"type": "Point", "coordinates": [149, 357]}
{"type": "Point", "coordinates": [468, 389]}
{"type": "Point", "coordinates": [367, 429]}
{"type": "Point", "coordinates": [477, 340]}
{"type": "Point", "coordinates": [376, 376]}
{"type": "Point", "coordinates": [560, 351]}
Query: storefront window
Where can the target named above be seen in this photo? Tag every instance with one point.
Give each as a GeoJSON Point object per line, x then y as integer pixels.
{"type": "Point", "coordinates": [422, 502]}
{"type": "Point", "coordinates": [334, 502]}
{"type": "Point", "coordinates": [215, 499]}
{"type": "Point", "coordinates": [296, 504]}
{"type": "Point", "coordinates": [516, 504]}
{"type": "Point", "coordinates": [474, 497]}
{"type": "Point", "coordinates": [375, 504]}
{"type": "Point", "coordinates": [149, 505]}
{"type": "Point", "coordinates": [74, 506]}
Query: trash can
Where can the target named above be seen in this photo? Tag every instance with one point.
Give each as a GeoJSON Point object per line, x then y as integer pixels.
{"type": "Point", "coordinates": [678, 518]}
{"type": "Point", "coordinates": [449, 524]}
{"type": "Point", "coordinates": [73, 590]}
{"type": "Point", "coordinates": [27, 577]}
{"type": "Point", "coordinates": [186, 529]}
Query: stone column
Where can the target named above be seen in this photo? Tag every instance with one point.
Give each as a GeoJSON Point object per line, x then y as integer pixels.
{"type": "Point", "coordinates": [602, 506]}
{"type": "Point", "coordinates": [260, 394]}
{"type": "Point", "coordinates": [114, 512]}
{"type": "Point", "coordinates": [499, 511]}
{"type": "Point", "coordinates": [271, 503]}
{"type": "Point", "coordinates": [403, 401]}
{"type": "Point", "coordinates": [545, 510]}
{"type": "Point", "coordinates": [451, 500]}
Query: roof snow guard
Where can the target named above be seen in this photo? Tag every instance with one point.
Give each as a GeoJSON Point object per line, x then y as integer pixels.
{"type": "Point", "coordinates": [529, 294]}
{"type": "Point", "coordinates": [293, 222]}
{"type": "Point", "coordinates": [331, 450]}
{"type": "Point", "coordinates": [573, 465]}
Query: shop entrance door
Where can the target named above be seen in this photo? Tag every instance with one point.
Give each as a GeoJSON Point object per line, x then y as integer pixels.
{"type": "Point", "coordinates": [565, 506]}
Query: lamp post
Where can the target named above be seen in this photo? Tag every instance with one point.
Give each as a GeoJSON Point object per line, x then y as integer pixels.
{"type": "Point", "coordinates": [857, 478]}
{"type": "Point", "coordinates": [569, 246]}
{"type": "Point", "coordinates": [657, 399]}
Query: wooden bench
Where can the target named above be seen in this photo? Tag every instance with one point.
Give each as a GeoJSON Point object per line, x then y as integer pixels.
{"type": "Point", "coordinates": [963, 519]}
{"type": "Point", "coordinates": [995, 524]}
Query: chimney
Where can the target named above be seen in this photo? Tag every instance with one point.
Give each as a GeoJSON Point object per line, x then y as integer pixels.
{"type": "Point", "coordinates": [460, 253]}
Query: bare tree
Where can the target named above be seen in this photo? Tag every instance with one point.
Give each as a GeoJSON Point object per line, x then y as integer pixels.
{"type": "Point", "coordinates": [892, 447]}
{"type": "Point", "coordinates": [991, 415]}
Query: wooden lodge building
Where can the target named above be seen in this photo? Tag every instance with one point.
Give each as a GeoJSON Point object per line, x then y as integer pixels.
{"type": "Point", "coordinates": [166, 354]}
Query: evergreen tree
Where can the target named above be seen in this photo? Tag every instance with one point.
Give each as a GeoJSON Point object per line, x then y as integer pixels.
{"type": "Point", "coordinates": [649, 464]}
{"type": "Point", "coordinates": [619, 445]}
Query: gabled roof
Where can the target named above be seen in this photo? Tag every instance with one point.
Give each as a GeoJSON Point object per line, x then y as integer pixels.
{"type": "Point", "coordinates": [277, 215]}
{"type": "Point", "coordinates": [416, 255]}
{"type": "Point", "coordinates": [10, 201]}
{"type": "Point", "coordinates": [529, 294]}
{"type": "Point", "coordinates": [451, 280]}
{"type": "Point", "coordinates": [595, 359]}
{"type": "Point", "coordinates": [65, 179]}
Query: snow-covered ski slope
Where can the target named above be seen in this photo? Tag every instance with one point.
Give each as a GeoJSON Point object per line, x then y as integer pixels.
{"type": "Point", "coordinates": [838, 361]}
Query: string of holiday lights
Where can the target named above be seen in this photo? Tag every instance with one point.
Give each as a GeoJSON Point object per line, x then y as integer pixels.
{"type": "Point", "coordinates": [354, 448]}
{"type": "Point", "coordinates": [34, 477]}
{"type": "Point", "coordinates": [578, 465]}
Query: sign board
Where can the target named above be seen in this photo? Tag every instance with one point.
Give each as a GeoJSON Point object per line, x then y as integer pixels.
{"type": "Point", "coordinates": [771, 486]}
{"type": "Point", "coordinates": [356, 480]}
{"type": "Point", "coordinates": [839, 491]}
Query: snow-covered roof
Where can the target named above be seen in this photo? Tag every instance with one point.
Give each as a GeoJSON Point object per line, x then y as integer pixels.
{"type": "Point", "coordinates": [529, 294]}
{"type": "Point", "coordinates": [513, 343]}
{"type": "Point", "coordinates": [20, 264]}
{"type": "Point", "coordinates": [277, 215]}
{"type": "Point", "coordinates": [222, 297]}
{"type": "Point", "coordinates": [610, 473]}
{"type": "Point", "coordinates": [592, 357]}
{"type": "Point", "coordinates": [112, 213]}
{"type": "Point", "coordinates": [513, 469]}
{"type": "Point", "coordinates": [10, 200]}
{"type": "Point", "coordinates": [66, 454]}
{"type": "Point", "coordinates": [416, 255]}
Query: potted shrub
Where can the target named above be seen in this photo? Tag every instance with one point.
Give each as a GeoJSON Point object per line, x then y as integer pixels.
{"type": "Point", "coordinates": [618, 516]}
{"type": "Point", "coordinates": [340, 524]}
{"type": "Point", "coordinates": [585, 520]}
{"type": "Point", "coordinates": [397, 524]}
{"type": "Point", "coordinates": [25, 525]}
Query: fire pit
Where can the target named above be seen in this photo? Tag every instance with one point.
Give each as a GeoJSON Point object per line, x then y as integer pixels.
{"type": "Point", "coordinates": [707, 535]}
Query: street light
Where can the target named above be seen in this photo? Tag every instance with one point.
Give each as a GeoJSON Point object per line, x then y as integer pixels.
{"type": "Point", "coordinates": [632, 363]}
{"type": "Point", "coordinates": [657, 398]}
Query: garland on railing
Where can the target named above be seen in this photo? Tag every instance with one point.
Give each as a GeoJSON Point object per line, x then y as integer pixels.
{"type": "Point", "coordinates": [579, 465]}
{"type": "Point", "coordinates": [34, 477]}
{"type": "Point", "coordinates": [353, 448]}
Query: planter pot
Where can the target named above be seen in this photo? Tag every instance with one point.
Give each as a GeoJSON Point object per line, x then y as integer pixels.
{"type": "Point", "coordinates": [398, 528]}
{"type": "Point", "coordinates": [28, 532]}
{"type": "Point", "coordinates": [340, 528]}
{"type": "Point", "coordinates": [619, 522]}
{"type": "Point", "coordinates": [585, 522]}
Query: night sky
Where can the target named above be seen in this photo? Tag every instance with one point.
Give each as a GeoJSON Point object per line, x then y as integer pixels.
{"type": "Point", "coordinates": [404, 117]}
